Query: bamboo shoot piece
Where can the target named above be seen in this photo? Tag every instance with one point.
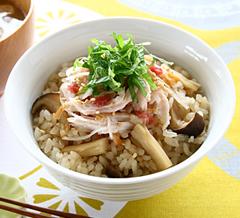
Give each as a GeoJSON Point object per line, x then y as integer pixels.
{"type": "Point", "coordinates": [189, 84]}
{"type": "Point", "coordinates": [96, 147]}
{"type": "Point", "coordinates": [149, 143]}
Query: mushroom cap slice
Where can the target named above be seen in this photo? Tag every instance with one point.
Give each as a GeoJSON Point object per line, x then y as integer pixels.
{"type": "Point", "coordinates": [113, 172]}
{"type": "Point", "coordinates": [194, 127]}
{"type": "Point", "coordinates": [49, 101]}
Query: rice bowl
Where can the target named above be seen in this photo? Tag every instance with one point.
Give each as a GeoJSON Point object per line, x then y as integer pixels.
{"type": "Point", "coordinates": [169, 42]}
{"type": "Point", "coordinates": [97, 134]}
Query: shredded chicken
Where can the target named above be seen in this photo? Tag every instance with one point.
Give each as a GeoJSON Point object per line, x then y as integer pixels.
{"type": "Point", "coordinates": [162, 108]}
{"type": "Point", "coordinates": [179, 98]}
{"type": "Point", "coordinates": [94, 119]}
{"type": "Point", "coordinates": [105, 125]}
{"type": "Point", "coordinates": [142, 104]}
{"type": "Point", "coordinates": [89, 108]}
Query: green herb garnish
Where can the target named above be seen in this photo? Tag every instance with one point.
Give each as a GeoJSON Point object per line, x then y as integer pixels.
{"type": "Point", "coordinates": [118, 67]}
{"type": "Point", "coordinates": [79, 62]}
{"type": "Point", "coordinates": [162, 60]}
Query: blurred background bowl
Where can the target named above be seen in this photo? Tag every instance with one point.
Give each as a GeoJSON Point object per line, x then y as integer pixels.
{"type": "Point", "coordinates": [14, 45]}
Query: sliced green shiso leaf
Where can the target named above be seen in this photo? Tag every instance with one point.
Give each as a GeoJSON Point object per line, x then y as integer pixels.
{"type": "Point", "coordinates": [117, 67]}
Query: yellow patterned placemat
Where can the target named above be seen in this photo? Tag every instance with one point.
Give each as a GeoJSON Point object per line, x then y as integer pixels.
{"type": "Point", "coordinates": [213, 187]}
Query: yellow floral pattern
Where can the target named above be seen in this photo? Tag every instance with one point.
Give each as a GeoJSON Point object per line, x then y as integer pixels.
{"type": "Point", "coordinates": [45, 191]}
{"type": "Point", "coordinates": [52, 21]}
{"type": "Point", "coordinates": [59, 198]}
{"type": "Point", "coordinates": [55, 15]}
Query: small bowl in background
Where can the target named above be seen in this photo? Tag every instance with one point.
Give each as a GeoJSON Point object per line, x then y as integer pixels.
{"type": "Point", "coordinates": [14, 45]}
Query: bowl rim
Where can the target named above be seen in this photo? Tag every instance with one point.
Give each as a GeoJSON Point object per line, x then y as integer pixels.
{"type": "Point", "coordinates": [25, 20]}
{"type": "Point", "coordinates": [190, 161]}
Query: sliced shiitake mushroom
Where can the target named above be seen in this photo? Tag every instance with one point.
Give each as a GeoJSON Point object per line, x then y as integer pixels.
{"type": "Point", "coordinates": [194, 127]}
{"type": "Point", "coordinates": [49, 101]}
{"type": "Point", "coordinates": [113, 172]}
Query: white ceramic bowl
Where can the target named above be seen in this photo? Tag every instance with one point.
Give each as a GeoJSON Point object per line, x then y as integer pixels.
{"type": "Point", "coordinates": [32, 70]}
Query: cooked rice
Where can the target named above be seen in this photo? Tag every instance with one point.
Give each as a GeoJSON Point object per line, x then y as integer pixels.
{"type": "Point", "coordinates": [130, 159]}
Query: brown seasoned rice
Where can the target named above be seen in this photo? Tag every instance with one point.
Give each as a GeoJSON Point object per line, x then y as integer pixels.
{"type": "Point", "coordinates": [130, 159]}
